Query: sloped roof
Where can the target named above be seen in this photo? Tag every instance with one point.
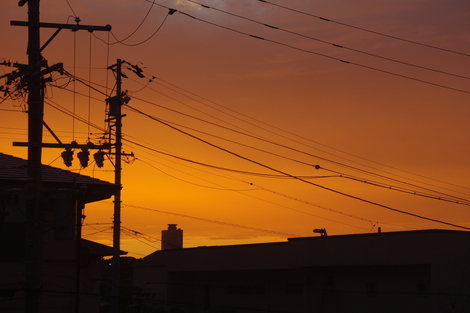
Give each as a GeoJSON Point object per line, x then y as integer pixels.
{"type": "Point", "coordinates": [14, 174]}
{"type": "Point", "coordinates": [16, 169]}
{"type": "Point", "coordinates": [336, 249]}
{"type": "Point", "coordinates": [98, 248]}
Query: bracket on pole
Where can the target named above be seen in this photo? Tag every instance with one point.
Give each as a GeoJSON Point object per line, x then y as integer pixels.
{"type": "Point", "coordinates": [72, 27]}
{"type": "Point", "coordinates": [59, 27]}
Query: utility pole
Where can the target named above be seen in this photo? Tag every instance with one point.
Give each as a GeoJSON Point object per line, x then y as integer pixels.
{"type": "Point", "coordinates": [117, 199]}
{"type": "Point", "coordinates": [35, 85]}
{"type": "Point", "coordinates": [34, 245]}
{"type": "Point", "coordinates": [115, 113]}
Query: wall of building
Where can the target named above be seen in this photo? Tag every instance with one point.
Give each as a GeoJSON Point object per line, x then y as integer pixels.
{"type": "Point", "coordinates": [421, 271]}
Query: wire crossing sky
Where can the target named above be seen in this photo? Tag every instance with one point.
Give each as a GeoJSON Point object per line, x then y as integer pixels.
{"type": "Point", "coordinates": [276, 116]}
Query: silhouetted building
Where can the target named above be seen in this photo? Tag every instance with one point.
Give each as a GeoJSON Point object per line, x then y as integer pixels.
{"type": "Point", "coordinates": [172, 238]}
{"type": "Point", "coordinates": [410, 271]}
{"type": "Point", "coordinates": [70, 272]}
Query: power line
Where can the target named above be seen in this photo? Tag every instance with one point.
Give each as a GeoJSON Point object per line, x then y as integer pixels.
{"type": "Point", "coordinates": [143, 41]}
{"type": "Point", "coordinates": [395, 188]}
{"type": "Point", "coordinates": [330, 43]}
{"type": "Point", "coordinates": [71, 8]}
{"type": "Point", "coordinates": [443, 196]}
{"type": "Point", "coordinates": [188, 182]}
{"type": "Point", "coordinates": [309, 182]}
{"type": "Point", "coordinates": [258, 187]}
{"type": "Point", "coordinates": [259, 174]}
{"type": "Point", "coordinates": [135, 30]}
{"type": "Point", "coordinates": [74, 116]}
{"type": "Point", "coordinates": [283, 195]}
{"type": "Point", "coordinates": [364, 29]}
{"type": "Point", "coordinates": [454, 200]}
{"type": "Point", "coordinates": [291, 176]}
{"type": "Point", "coordinates": [185, 104]}
{"type": "Point", "coordinates": [213, 221]}
{"type": "Point", "coordinates": [260, 138]}
{"type": "Point", "coordinates": [84, 82]}
{"type": "Point", "coordinates": [204, 164]}
{"type": "Point", "coordinates": [298, 136]}
{"type": "Point", "coordinates": [321, 54]}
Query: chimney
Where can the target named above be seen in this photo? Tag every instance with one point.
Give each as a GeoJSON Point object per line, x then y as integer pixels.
{"type": "Point", "coordinates": [172, 238]}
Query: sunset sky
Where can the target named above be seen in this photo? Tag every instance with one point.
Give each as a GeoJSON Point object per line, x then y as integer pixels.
{"type": "Point", "coordinates": [241, 100]}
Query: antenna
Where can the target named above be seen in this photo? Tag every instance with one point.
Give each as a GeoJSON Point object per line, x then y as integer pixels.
{"type": "Point", "coordinates": [321, 231]}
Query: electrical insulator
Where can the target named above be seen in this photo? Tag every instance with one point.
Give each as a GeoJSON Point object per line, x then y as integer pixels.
{"type": "Point", "coordinates": [84, 156]}
{"type": "Point", "coordinates": [67, 156]}
{"type": "Point", "coordinates": [99, 158]}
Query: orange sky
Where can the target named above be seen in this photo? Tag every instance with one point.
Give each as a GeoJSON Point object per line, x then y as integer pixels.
{"type": "Point", "coordinates": [290, 89]}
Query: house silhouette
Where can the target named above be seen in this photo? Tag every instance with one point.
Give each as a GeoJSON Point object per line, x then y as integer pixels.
{"type": "Point", "coordinates": [408, 271]}
{"type": "Point", "coordinates": [70, 266]}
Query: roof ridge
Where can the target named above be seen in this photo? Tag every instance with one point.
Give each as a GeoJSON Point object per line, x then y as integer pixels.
{"type": "Point", "coordinates": [10, 165]}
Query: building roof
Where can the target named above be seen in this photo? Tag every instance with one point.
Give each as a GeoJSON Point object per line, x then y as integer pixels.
{"type": "Point", "coordinates": [14, 168]}
{"type": "Point", "coordinates": [372, 248]}
{"type": "Point", "coordinates": [14, 172]}
{"type": "Point", "coordinates": [98, 248]}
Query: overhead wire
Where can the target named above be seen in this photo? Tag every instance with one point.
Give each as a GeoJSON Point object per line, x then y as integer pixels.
{"type": "Point", "coordinates": [243, 191]}
{"type": "Point", "coordinates": [148, 38]}
{"type": "Point", "coordinates": [296, 135]}
{"type": "Point", "coordinates": [188, 182]}
{"type": "Point", "coordinates": [367, 201]}
{"type": "Point", "coordinates": [135, 30]}
{"type": "Point", "coordinates": [74, 100]}
{"type": "Point", "coordinates": [258, 187]}
{"type": "Point", "coordinates": [89, 81]}
{"type": "Point", "coordinates": [319, 54]}
{"type": "Point", "coordinates": [85, 83]}
{"type": "Point", "coordinates": [311, 183]}
{"type": "Point", "coordinates": [329, 43]}
{"type": "Point", "coordinates": [365, 29]}
{"type": "Point", "coordinates": [223, 138]}
{"type": "Point", "coordinates": [202, 163]}
{"type": "Point", "coordinates": [60, 108]}
{"type": "Point", "coordinates": [307, 178]}
{"type": "Point", "coordinates": [213, 221]}
{"type": "Point", "coordinates": [277, 194]}
{"type": "Point", "coordinates": [122, 41]}
{"type": "Point", "coordinates": [71, 8]}
{"type": "Point", "coordinates": [290, 176]}
{"type": "Point", "coordinates": [455, 200]}
{"type": "Point", "coordinates": [185, 104]}
{"type": "Point", "coordinates": [441, 196]}
{"type": "Point", "coordinates": [259, 138]}
{"type": "Point", "coordinates": [11, 110]}
{"type": "Point", "coordinates": [360, 179]}
{"type": "Point", "coordinates": [304, 138]}
{"type": "Point", "coordinates": [138, 235]}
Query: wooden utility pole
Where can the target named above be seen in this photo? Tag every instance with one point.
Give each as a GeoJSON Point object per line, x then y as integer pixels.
{"type": "Point", "coordinates": [34, 211]}
{"type": "Point", "coordinates": [115, 115]}
{"type": "Point", "coordinates": [34, 244]}
{"type": "Point", "coordinates": [117, 200]}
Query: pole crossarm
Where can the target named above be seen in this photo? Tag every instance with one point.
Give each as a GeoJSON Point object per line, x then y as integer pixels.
{"type": "Point", "coordinates": [73, 27]}
{"type": "Point", "coordinates": [59, 27]}
{"type": "Point", "coordinates": [75, 145]}
{"type": "Point", "coordinates": [105, 146]}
